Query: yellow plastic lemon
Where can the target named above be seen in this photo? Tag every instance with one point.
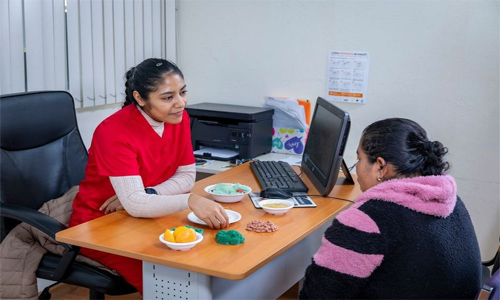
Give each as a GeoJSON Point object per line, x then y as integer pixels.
{"type": "Point", "coordinates": [169, 236]}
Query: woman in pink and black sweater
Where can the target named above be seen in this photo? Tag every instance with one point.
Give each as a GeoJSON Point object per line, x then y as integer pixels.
{"type": "Point", "coordinates": [408, 236]}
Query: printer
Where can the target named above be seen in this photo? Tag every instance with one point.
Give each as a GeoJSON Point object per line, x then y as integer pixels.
{"type": "Point", "coordinates": [227, 132]}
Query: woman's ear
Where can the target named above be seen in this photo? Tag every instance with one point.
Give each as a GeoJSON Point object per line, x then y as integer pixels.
{"type": "Point", "coordinates": [381, 163]}
{"type": "Point", "coordinates": [138, 98]}
{"type": "Point", "coordinates": [382, 167]}
{"type": "Point", "coordinates": [385, 170]}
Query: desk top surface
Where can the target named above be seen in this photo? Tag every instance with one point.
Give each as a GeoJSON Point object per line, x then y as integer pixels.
{"type": "Point", "coordinates": [137, 238]}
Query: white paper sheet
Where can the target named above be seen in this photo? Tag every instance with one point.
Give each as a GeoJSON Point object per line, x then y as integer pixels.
{"type": "Point", "coordinates": [287, 113]}
{"type": "Point", "coordinates": [293, 161]}
{"type": "Point", "coordinates": [347, 76]}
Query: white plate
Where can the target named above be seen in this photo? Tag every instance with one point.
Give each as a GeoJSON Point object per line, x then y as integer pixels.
{"type": "Point", "coordinates": [233, 217]}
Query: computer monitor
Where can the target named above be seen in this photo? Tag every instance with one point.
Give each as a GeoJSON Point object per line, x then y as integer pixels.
{"type": "Point", "coordinates": [324, 150]}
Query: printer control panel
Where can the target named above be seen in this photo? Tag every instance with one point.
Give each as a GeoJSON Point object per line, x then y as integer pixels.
{"type": "Point", "coordinates": [240, 136]}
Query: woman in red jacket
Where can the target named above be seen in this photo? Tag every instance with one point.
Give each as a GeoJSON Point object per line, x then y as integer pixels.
{"type": "Point", "coordinates": [143, 155]}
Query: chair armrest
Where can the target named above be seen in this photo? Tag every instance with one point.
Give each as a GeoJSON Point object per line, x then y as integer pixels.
{"type": "Point", "coordinates": [491, 261]}
{"type": "Point", "coordinates": [45, 223]}
{"type": "Point", "coordinates": [495, 259]}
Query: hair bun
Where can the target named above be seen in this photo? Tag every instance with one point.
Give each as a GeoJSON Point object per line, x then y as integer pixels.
{"type": "Point", "coordinates": [434, 153]}
{"type": "Point", "coordinates": [427, 148]}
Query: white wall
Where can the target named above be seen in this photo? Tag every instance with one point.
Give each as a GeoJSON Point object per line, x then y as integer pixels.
{"type": "Point", "coordinates": [436, 62]}
{"type": "Point", "coordinates": [89, 118]}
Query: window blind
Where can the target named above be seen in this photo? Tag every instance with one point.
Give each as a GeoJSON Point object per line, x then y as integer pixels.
{"type": "Point", "coordinates": [82, 46]}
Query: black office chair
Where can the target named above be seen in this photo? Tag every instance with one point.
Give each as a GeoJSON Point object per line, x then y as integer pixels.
{"type": "Point", "coordinates": [491, 288]}
{"type": "Point", "coordinates": [494, 263]}
{"type": "Point", "coordinates": [42, 157]}
{"type": "Point", "coordinates": [490, 281]}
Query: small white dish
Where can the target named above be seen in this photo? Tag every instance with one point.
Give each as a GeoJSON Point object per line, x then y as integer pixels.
{"type": "Point", "coordinates": [233, 217]}
{"type": "Point", "coordinates": [227, 198]}
{"type": "Point", "coordinates": [287, 205]}
{"type": "Point", "coordinates": [182, 246]}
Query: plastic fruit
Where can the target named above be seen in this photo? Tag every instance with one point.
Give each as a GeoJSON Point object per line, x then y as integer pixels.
{"type": "Point", "coordinates": [178, 230]}
{"type": "Point", "coordinates": [169, 236]}
{"type": "Point", "coordinates": [186, 236]}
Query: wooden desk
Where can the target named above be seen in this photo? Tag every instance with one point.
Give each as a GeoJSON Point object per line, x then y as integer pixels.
{"type": "Point", "coordinates": [265, 266]}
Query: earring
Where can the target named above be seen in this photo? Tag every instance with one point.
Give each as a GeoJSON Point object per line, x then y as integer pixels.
{"type": "Point", "coordinates": [379, 179]}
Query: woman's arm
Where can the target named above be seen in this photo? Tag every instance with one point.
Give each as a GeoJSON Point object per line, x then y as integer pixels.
{"type": "Point", "coordinates": [132, 196]}
{"type": "Point", "coordinates": [130, 192]}
{"type": "Point", "coordinates": [181, 182]}
{"type": "Point", "coordinates": [352, 248]}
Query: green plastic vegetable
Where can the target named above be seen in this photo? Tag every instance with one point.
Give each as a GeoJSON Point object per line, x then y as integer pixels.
{"type": "Point", "coordinates": [229, 237]}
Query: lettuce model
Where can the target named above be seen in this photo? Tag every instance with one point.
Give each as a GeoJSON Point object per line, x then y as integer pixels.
{"type": "Point", "coordinates": [229, 189]}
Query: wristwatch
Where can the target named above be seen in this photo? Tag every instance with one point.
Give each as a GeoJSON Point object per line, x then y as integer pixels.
{"type": "Point", "coordinates": [151, 191]}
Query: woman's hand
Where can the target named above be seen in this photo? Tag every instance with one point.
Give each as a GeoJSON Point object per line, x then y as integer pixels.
{"type": "Point", "coordinates": [111, 205]}
{"type": "Point", "coordinates": [209, 211]}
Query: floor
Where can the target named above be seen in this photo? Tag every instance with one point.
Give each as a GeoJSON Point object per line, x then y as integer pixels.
{"type": "Point", "coordinates": [70, 292]}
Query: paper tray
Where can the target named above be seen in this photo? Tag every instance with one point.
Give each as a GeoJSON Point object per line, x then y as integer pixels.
{"type": "Point", "coordinates": [215, 153]}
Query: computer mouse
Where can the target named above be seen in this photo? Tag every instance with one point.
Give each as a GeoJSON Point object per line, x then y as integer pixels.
{"type": "Point", "coordinates": [275, 193]}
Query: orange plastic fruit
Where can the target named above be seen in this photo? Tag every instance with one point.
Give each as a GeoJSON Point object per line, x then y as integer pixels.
{"type": "Point", "coordinates": [178, 230]}
{"type": "Point", "coordinates": [169, 236]}
{"type": "Point", "coordinates": [186, 236]}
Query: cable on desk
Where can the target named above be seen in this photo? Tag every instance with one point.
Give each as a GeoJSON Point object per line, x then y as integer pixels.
{"type": "Point", "coordinates": [352, 167]}
{"type": "Point", "coordinates": [343, 199]}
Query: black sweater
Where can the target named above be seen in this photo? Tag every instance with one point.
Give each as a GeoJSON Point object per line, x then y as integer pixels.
{"type": "Point", "coordinates": [403, 239]}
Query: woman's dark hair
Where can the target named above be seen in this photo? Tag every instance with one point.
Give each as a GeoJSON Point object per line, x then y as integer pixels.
{"type": "Point", "coordinates": [405, 145]}
{"type": "Point", "coordinates": [146, 76]}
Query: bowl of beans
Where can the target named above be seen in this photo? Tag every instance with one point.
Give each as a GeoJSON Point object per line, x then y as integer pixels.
{"type": "Point", "coordinates": [276, 206]}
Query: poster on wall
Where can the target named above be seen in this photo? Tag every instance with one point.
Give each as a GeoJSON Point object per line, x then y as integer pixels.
{"type": "Point", "coordinates": [347, 76]}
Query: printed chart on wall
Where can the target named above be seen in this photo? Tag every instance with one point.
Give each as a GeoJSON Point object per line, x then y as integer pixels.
{"type": "Point", "coordinates": [347, 76]}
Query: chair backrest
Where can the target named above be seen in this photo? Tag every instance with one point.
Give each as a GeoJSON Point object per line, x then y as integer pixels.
{"type": "Point", "coordinates": [491, 289]}
{"type": "Point", "coordinates": [496, 260]}
{"type": "Point", "coordinates": [42, 152]}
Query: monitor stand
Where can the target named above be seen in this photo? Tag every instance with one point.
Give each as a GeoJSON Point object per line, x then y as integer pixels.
{"type": "Point", "coordinates": [347, 174]}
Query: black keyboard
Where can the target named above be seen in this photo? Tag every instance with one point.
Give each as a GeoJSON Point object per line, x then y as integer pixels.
{"type": "Point", "coordinates": [278, 174]}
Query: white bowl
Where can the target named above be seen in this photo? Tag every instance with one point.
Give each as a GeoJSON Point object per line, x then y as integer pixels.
{"type": "Point", "coordinates": [227, 198]}
{"type": "Point", "coordinates": [182, 246]}
{"type": "Point", "coordinates": [276, 211]}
